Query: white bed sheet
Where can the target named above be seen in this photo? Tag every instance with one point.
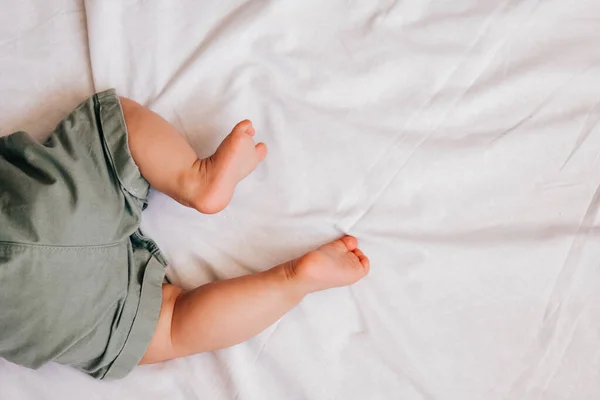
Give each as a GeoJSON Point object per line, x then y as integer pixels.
{"type": "Point", "coordinates": [459, 141]}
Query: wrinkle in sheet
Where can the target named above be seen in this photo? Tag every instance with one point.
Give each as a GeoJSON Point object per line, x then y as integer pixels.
{"type": "Point", "coordinates": [528, 117]}
{"type": "Point", "coordinates": [380, 14]}
{"type": "Point", "coordinates": [489, 236]}
{"type": "Point", "coordinates": [346, 226]}
{"type": "Point", "coordinates": [364, 328]}
{"type": "Point", "coordinates": [239, 16]}
{"type": "Point", "coordinates": [273, 329]}
{"type": "Point", "coordinates": [549, 331]}
{"type": "Point", "coordinates": [394, 358]}
{"type": "Point", "coordinates": [558, 364]}
{"type": "Point", "coordinates": [499, 46]}
{"type": "Point", "coordinates": [566, 275]}
{"type": "Point", "coordinates": [553, 118]}
{"type": "Point", "coordinates": [588, 126]}
{"type": "Point", "coordinates": [21, 35]}
{"type": "Point", "coordinates": [288, 383]}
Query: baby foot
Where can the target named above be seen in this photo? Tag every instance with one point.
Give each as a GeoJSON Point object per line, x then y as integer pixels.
{"type": "Point", "coordinates": [211, 189]}
{"type": "Point", "coordinates": [339, 263]}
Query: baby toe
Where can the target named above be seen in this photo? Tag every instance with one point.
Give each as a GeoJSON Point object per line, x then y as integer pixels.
{"type": "Point", "coordinates": [244, 126]}
{"type": "Point", "coordinates": [350, 242]}
{"type": "Point", "coordinates": [261, 150]}
{"type": "Point", "coordinates": [364, 260]}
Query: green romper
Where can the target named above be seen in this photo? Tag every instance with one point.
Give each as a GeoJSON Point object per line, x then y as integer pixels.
{"type": "Point", "coordinates": [79, 284]}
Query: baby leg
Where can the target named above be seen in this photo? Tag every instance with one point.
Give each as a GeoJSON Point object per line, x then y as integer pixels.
{"type": "Point", "coordinates": [171, 166]}
{"type": "Point", "coordinates": [225, 313]}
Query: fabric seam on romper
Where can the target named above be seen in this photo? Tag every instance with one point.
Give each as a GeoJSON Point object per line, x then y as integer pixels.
{"type": "Point", "coordinates": [66, 248]}
{"type": "Point", "coordinates": [98, 111]}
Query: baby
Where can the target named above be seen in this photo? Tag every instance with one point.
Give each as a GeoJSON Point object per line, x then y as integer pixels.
{"type": "Point", "coordinates": [80, 284]}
